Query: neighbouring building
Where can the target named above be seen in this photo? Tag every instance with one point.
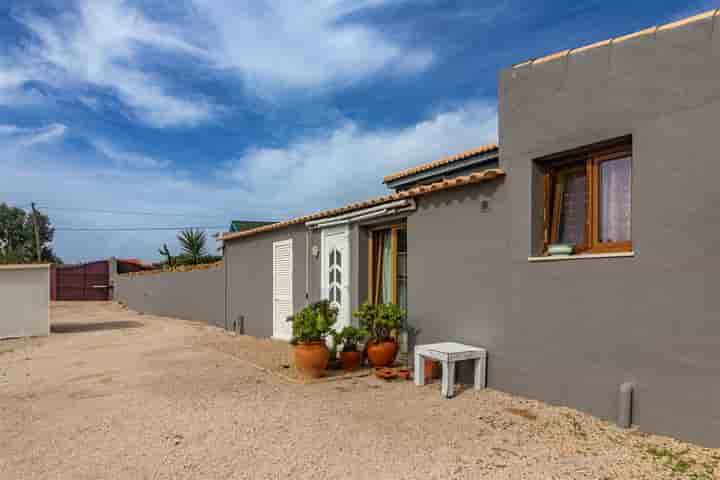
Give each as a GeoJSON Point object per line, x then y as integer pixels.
{"type": "Point", "coordinates": [611, 148]}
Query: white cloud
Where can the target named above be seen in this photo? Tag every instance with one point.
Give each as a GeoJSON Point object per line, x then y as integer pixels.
{"type": "Point", "coordinates": [311, 174]}
{"type": "Point", "coordinates": [98, 44]}
{"type": "Point", "coordinates": [272, 44]}
{"type": "Point", "coordinates": [349, 163]}
{"type": "Point", "coordinates": [309, 44]}
{"type": "Point", "coordinates": [27, 137]}
{"type": "Point", "coordinates": [128, 159]}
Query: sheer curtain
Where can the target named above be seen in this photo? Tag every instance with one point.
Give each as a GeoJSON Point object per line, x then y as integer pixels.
{"type": "Point", "coordinates": [573, 205]}
{"type": "Point", "coordinates": [387, 268]}
{"type": "Point", "coordinates": [615, 200]}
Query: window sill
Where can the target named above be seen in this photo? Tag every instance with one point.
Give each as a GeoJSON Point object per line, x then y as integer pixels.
{"type": "Point", "coordinates": [582, 256]}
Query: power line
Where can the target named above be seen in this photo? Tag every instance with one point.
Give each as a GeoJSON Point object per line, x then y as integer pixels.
{"type": "Point", "coordinates": [136, 229]}
{"type": "Point", "coordinates": [126, 212]}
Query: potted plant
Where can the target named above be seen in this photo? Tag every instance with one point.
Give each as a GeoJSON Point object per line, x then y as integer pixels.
{"type": "Point", "coordinates": [310, 327]}
{"type": "Point", "coordinates": [349, 338]}
{"type": "Point", "coordinates": [382, 323]}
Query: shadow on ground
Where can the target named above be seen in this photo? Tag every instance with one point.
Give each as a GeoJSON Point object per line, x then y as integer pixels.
{"type": "Point", "coordinates": [92, 327]}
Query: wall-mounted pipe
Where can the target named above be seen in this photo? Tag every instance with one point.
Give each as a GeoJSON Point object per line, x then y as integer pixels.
{"type": "Point", "coordinates": [625, 401]}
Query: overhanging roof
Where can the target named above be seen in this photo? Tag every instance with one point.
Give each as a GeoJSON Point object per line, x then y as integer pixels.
{"type": "Point", "coordinates": [490, 148]}
{"type": "Point", "coordinates": [475, 177]}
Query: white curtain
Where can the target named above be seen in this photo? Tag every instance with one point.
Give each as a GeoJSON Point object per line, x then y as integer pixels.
{"type": "Point", "coordinates": [386, 269]}
{"type": "Point", "coordinates": [615, 201]}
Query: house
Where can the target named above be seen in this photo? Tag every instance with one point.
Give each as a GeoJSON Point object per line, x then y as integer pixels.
{"type": "Point", "coordinates": [611, 147]}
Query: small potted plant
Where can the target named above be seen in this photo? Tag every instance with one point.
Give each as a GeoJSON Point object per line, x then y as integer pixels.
{"type": "Point", "coordinates": [310, 327]}
{"type": "Point", "coordinates": [382, 323]}
{"type": "Point", "coordinates": [349, 337]}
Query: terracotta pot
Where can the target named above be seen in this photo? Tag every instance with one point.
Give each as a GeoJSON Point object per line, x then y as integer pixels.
{"type": "Point", "coordinates": [350, 360]}
{"type": "Point", "coordinates": [311, 359]}
{"type": "Point", "coordinates": [432, 370]}
{"type": "Point", "coordinates": [382, 354]}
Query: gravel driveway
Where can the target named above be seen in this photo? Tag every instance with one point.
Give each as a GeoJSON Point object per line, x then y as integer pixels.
{"type": "Point", "coordinates": [116, 395]}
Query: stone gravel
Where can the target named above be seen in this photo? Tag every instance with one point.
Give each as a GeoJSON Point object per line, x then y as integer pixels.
{"type": "Point", "coordinates": [121, 395]}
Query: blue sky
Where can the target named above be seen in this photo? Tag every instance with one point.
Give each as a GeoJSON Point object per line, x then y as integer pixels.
{"type": "Point", "coordinates": [196, 112]}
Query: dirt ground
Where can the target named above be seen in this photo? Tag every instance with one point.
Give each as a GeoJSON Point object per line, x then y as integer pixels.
{"type": "Point", "coordinates": [116, 395]}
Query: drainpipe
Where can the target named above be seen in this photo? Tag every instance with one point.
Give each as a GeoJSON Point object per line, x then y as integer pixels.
{"type": "Point", "coordinates": [307, 266]}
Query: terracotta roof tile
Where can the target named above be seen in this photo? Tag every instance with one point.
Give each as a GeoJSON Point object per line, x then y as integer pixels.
{"type": "Point", "coordinates": [442, 161]}
{"type": "Point", "coordinates": [475, 177]}
{"type": "Point", "coordinates": [647, 31]}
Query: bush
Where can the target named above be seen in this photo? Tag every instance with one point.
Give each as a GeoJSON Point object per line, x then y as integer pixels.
{"type": "Point", "coordinates": [313, 323]}
{"type": "Point", "coordinates": [380, 321]}
{"type": "Point", "coordinates": [349, 337]}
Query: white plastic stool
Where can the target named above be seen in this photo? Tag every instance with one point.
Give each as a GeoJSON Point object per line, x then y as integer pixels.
{"type": "Point", "coordinates": [447, 354]}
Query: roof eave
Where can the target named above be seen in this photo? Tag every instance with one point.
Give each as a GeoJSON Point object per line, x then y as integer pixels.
{"type": "Point", "coordinates": [449, 168]}
{"type": "Point", "coordinates": [475, 177]}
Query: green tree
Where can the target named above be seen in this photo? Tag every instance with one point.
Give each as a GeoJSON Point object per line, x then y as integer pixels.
{"type": "Point", "coordinates": [17, 236]}
{"type": "Point", "coordinates": [193, 245]}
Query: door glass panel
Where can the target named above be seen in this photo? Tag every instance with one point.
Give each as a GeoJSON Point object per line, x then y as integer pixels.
{"type": "Point", "coordinates": [337, 276]}
{"type": "Point", "coordinates": [338, 295]}
{"type": "Point", "coordinates": [337, 258]}
{"type": "Point", "coordinates": [615, 200]}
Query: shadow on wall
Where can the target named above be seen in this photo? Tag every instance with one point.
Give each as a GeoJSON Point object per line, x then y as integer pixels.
{"type": "Point", "coordinates": [92, 327]}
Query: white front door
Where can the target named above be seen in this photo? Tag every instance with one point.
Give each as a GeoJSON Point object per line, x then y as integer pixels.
{"type": "Point", "coordinates": [282, 289]}
{"type": "Point", "coordinates": [336, 272]}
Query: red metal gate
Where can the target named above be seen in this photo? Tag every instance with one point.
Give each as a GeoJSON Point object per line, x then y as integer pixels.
{"type": "Point", "coordinates": [89, 281]}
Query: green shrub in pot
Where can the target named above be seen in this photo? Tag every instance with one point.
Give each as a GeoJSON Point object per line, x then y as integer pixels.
{"type": "Point", "coordinates": [310, 327]}
{"type": "Point", "coordinates": [382, 323]}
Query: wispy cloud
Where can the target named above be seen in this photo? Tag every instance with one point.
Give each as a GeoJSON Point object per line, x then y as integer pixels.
{"type": "Point", "coordinates": [349, 163]}
{"type": "Point", "coordinates": [98, 43]}
{"type": "Point", "coordinates": [127, 159]}
{"type": "Point", "coordinates": [27, 137]}
{"type": "Point", "coordinates": [312, 44]}
{"type": "Point", "coordinates": [272, 44]}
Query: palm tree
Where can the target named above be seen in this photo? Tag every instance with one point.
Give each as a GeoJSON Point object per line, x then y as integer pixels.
{"type": "Point", "coordinates": [192, 243]}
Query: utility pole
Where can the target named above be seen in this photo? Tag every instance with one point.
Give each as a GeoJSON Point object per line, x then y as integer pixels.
{"type": "Point", "coordinates": [37, 232]}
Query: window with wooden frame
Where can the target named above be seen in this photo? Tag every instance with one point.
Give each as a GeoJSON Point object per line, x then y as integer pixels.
{"type": "Point", "coordinates": [387, 265]}
{"type": "Point", "coordinates": [588, 200]}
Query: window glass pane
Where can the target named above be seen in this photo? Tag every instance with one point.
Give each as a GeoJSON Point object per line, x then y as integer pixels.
{"type": "Point", "coordinates": [332, 276]}
{"type": "Point", "coordinates": [402, 240]}
{"type": "Point", "coordinates": [572, 216]}
{"type": "Point", "coordinates": [402, 264]}
{"type": "Point", "coordinates": [615, 200]}
{"type": "Point", "coordinates": [402, 293]}
{"type": "Point", "coordinates": [332, 258]}
{"type": "Point", "coordinates": [337, 258]}
{"type": "Point", "coordinates": [332, 294]}
{"type": "Point", "coordinates": [337, 276]}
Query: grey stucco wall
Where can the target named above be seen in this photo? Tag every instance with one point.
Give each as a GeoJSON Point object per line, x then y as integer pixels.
{"type": "Point", "coordinates": [570, 332]}
{"type": "Point", "coordinates": [250, 286]}
{"type": "Point", "coordinates": [193, 295]}
{"type": "Point", "coordinates": [249, 263]}
{"type": "Point", "coordinates": [651, 319]}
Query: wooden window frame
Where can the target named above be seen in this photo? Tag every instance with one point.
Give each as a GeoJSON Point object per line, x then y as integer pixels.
{"type": "Point", "coordinates": [589, 162]}
{"type": "Point", "coordinates": [374, 270]}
